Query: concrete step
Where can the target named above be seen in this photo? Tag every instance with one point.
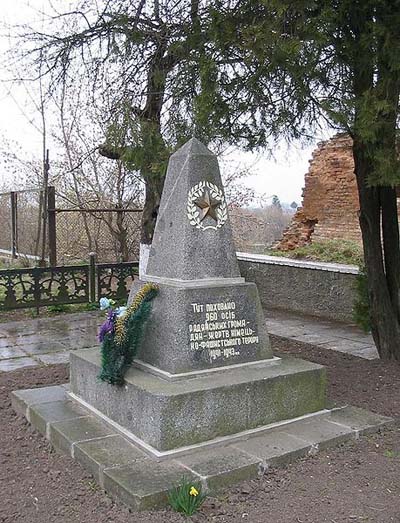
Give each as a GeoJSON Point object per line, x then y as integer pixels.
{"type": "Point", "coordinates": [126, 472]}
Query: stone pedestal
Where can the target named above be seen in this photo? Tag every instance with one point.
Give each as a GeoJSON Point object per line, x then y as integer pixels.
{"type": "Point", "coordinates": [163, 415]}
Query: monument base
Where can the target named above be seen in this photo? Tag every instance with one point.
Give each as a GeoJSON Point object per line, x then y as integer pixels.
{"type": "Point", "coordinates": [122, 468]}
{"type": "Point", "coordinates": [162, 415]}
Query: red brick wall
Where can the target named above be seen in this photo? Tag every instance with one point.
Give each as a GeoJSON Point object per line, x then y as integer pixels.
{"type": "Point", "coordinates": [330, 197]}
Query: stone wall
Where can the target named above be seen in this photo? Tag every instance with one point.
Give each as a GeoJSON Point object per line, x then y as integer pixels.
{"type": "Point", "coordinates": [325, 290]}
{"type": "Point", "coordinates": [330, 198]}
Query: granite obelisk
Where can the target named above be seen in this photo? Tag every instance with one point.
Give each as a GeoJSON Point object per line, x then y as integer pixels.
{"type": "Point", "coordinates": [206, 315]}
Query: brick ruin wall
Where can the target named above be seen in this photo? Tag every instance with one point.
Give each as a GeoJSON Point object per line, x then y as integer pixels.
{"type": "Point", "coordinates": [330, 198]}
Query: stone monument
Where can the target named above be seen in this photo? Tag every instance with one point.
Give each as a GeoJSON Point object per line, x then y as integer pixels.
{"type": "Point", "coordinates": [205, 369]}
{"type": "Point", "coordinates": [205, 398]}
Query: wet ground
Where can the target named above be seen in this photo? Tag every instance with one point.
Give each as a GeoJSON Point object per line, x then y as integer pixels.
{"type": "Point", "coordinates": [46, 341]}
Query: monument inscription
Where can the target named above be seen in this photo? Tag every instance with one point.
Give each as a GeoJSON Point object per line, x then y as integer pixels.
{"type": "Point", "coordinates": [220, 330]}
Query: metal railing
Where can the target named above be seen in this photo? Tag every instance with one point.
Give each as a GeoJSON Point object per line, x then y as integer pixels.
{"type": "Point", "coordinates": [40, 287]}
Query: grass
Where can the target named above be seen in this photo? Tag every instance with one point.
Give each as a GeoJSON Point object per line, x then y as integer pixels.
{"type": "Point", "coordinates": [333, 251]}
{"type": "Point", "coordinates": [391, 454]}
{"type": "Point", "coordinates": [73, 307]}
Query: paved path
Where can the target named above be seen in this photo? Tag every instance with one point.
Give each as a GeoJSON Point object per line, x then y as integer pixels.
{"type": "Point", "coordinates": [322, 333]}
{"type": "Point", "coordinates": [49, 340]}
{"type": "Point", "coordinates": [46, 340]}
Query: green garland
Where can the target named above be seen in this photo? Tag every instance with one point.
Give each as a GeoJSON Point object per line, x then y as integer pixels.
{"type": "Point", "coordinates": [119, 347]}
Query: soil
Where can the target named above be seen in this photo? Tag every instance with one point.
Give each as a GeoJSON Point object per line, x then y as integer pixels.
{"type": "Point", "coordinates": [44, 312]}
{"type": "Point", "coordinates": [358, 482]}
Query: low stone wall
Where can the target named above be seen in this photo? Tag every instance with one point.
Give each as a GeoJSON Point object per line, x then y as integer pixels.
{"type": "Point", "coordinates": [318, 289]}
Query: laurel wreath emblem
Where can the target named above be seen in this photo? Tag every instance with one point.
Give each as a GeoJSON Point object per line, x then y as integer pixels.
{"type": "Point", "coordinates": [193, 213]}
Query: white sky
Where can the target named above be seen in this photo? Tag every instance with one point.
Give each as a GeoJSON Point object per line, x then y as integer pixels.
{"type": "Point", "coordinates": [283, 175]}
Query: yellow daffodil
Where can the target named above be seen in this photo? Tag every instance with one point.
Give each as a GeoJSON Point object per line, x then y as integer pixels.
{"type": "Point", "coordinates": [193, 492]}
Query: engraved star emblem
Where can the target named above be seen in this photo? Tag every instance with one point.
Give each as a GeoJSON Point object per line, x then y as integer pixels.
{"type": "Point", "coordinates": [207, 206]}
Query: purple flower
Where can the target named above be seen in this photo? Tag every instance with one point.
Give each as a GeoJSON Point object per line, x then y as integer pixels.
{"type": "Point", "coordinates": [108, 325]}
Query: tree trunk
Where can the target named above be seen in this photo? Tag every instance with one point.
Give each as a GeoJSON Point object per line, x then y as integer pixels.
{"type": "Point", "coordinates": [384, 316]}
{"type": "Point", "coordinates": [390, 230]}
{"type": "Point", "coordinates": [154, 187]}
{"type": "Point", "coordinates": [372, 147]}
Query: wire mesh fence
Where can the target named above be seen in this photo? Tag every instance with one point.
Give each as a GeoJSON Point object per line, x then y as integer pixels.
{"type": "Point", "coordinates": [5, 217]}
{"type": "Point", "coordinates": [113, 234]}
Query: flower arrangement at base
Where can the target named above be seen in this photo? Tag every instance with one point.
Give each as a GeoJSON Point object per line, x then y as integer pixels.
{"type": "Point", "coordinates": [120, 334]}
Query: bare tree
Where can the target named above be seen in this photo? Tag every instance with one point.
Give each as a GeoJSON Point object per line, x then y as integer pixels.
{"type": "Point", "coordinates": [153, 58]}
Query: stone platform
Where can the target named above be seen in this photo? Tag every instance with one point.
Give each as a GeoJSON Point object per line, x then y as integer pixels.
{"type": "Point", "coordinates": [126, 472]}
{"type": "Point", "coordinates": [163, 415]}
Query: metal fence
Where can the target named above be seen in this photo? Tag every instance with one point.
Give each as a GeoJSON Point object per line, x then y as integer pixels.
{"type": "Point", "coordinates": [20, 231]}
{"type": "Point", "coordinates": [71, 233]}
{"type": "Point", "coordinates": [113, 234]}
{"type": "Point", "coordinates": [39, 287]}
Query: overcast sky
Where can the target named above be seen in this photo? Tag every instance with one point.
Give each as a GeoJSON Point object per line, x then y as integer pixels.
{"type": "Point", "coordinates": [283, 175]}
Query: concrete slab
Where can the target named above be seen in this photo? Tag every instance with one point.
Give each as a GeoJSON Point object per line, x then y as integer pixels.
{"type": "Point", "coordinates": [41, 415]}
{"type": "Point", "coordinates": [320, 433]}
{"type": "Point", "coordinates": [285, 331]}
{"type": "Point", "coordinates": [143, 485]}
{"type": "Point", "coordinates": [53, 359]}
{"type": "Point", "coordinates": [23, 399]}
{"type": "Point", "coordinates": [16, 363]}
{"type": "Point", "coordinates": [346, 338]}
{"type": "Point", "coordinates": [7, 342]}
{"type": "Point", "coordinates": [142, 482]}
{"type": "Point", "coordinates": [108, 452]}
{"type": "Point", "coordinates": [347, 346]}
{"type": "Point", "coordinates": [367, 353]}
{"type": "Point", "coordinates": [276, 448]}
{"type": "Point", "coordinates": [222, 467]}
{"type": "Point", "coordinates": [315, 338]}
{"type": "Point", "coordinates": [11, 352]}
{"type": "Point", "coordinates": [234, 400]}
{"type": "Point", "coordinates": [360, 420]}
{"type": "Point", "coordinates": [22, 339]}
{"type": "Point", "coordinates": [42, 347]}
{"type": "Point", "coordinates": [65, 434]}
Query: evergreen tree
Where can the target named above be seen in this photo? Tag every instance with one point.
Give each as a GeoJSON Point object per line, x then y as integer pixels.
{"type": "Point", "coordinates": [310, 63]}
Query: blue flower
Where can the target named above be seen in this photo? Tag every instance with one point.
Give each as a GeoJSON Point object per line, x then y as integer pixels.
{"type": "Point", "coordinates": [105, 303]}
{"type": "Point", "coordinates": [119, 311]}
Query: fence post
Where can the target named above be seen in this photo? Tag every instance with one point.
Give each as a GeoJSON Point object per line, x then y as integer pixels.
{"type": "Point", "coordinates": [14, 224]}
{"type": "Point", "coordinates": [51, 211]}
{"type": "Point", "coordinates": [92, 276]}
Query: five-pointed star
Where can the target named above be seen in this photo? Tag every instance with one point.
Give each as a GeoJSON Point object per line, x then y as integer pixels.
{"type": "Point", "coordinates": [208, 206]}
